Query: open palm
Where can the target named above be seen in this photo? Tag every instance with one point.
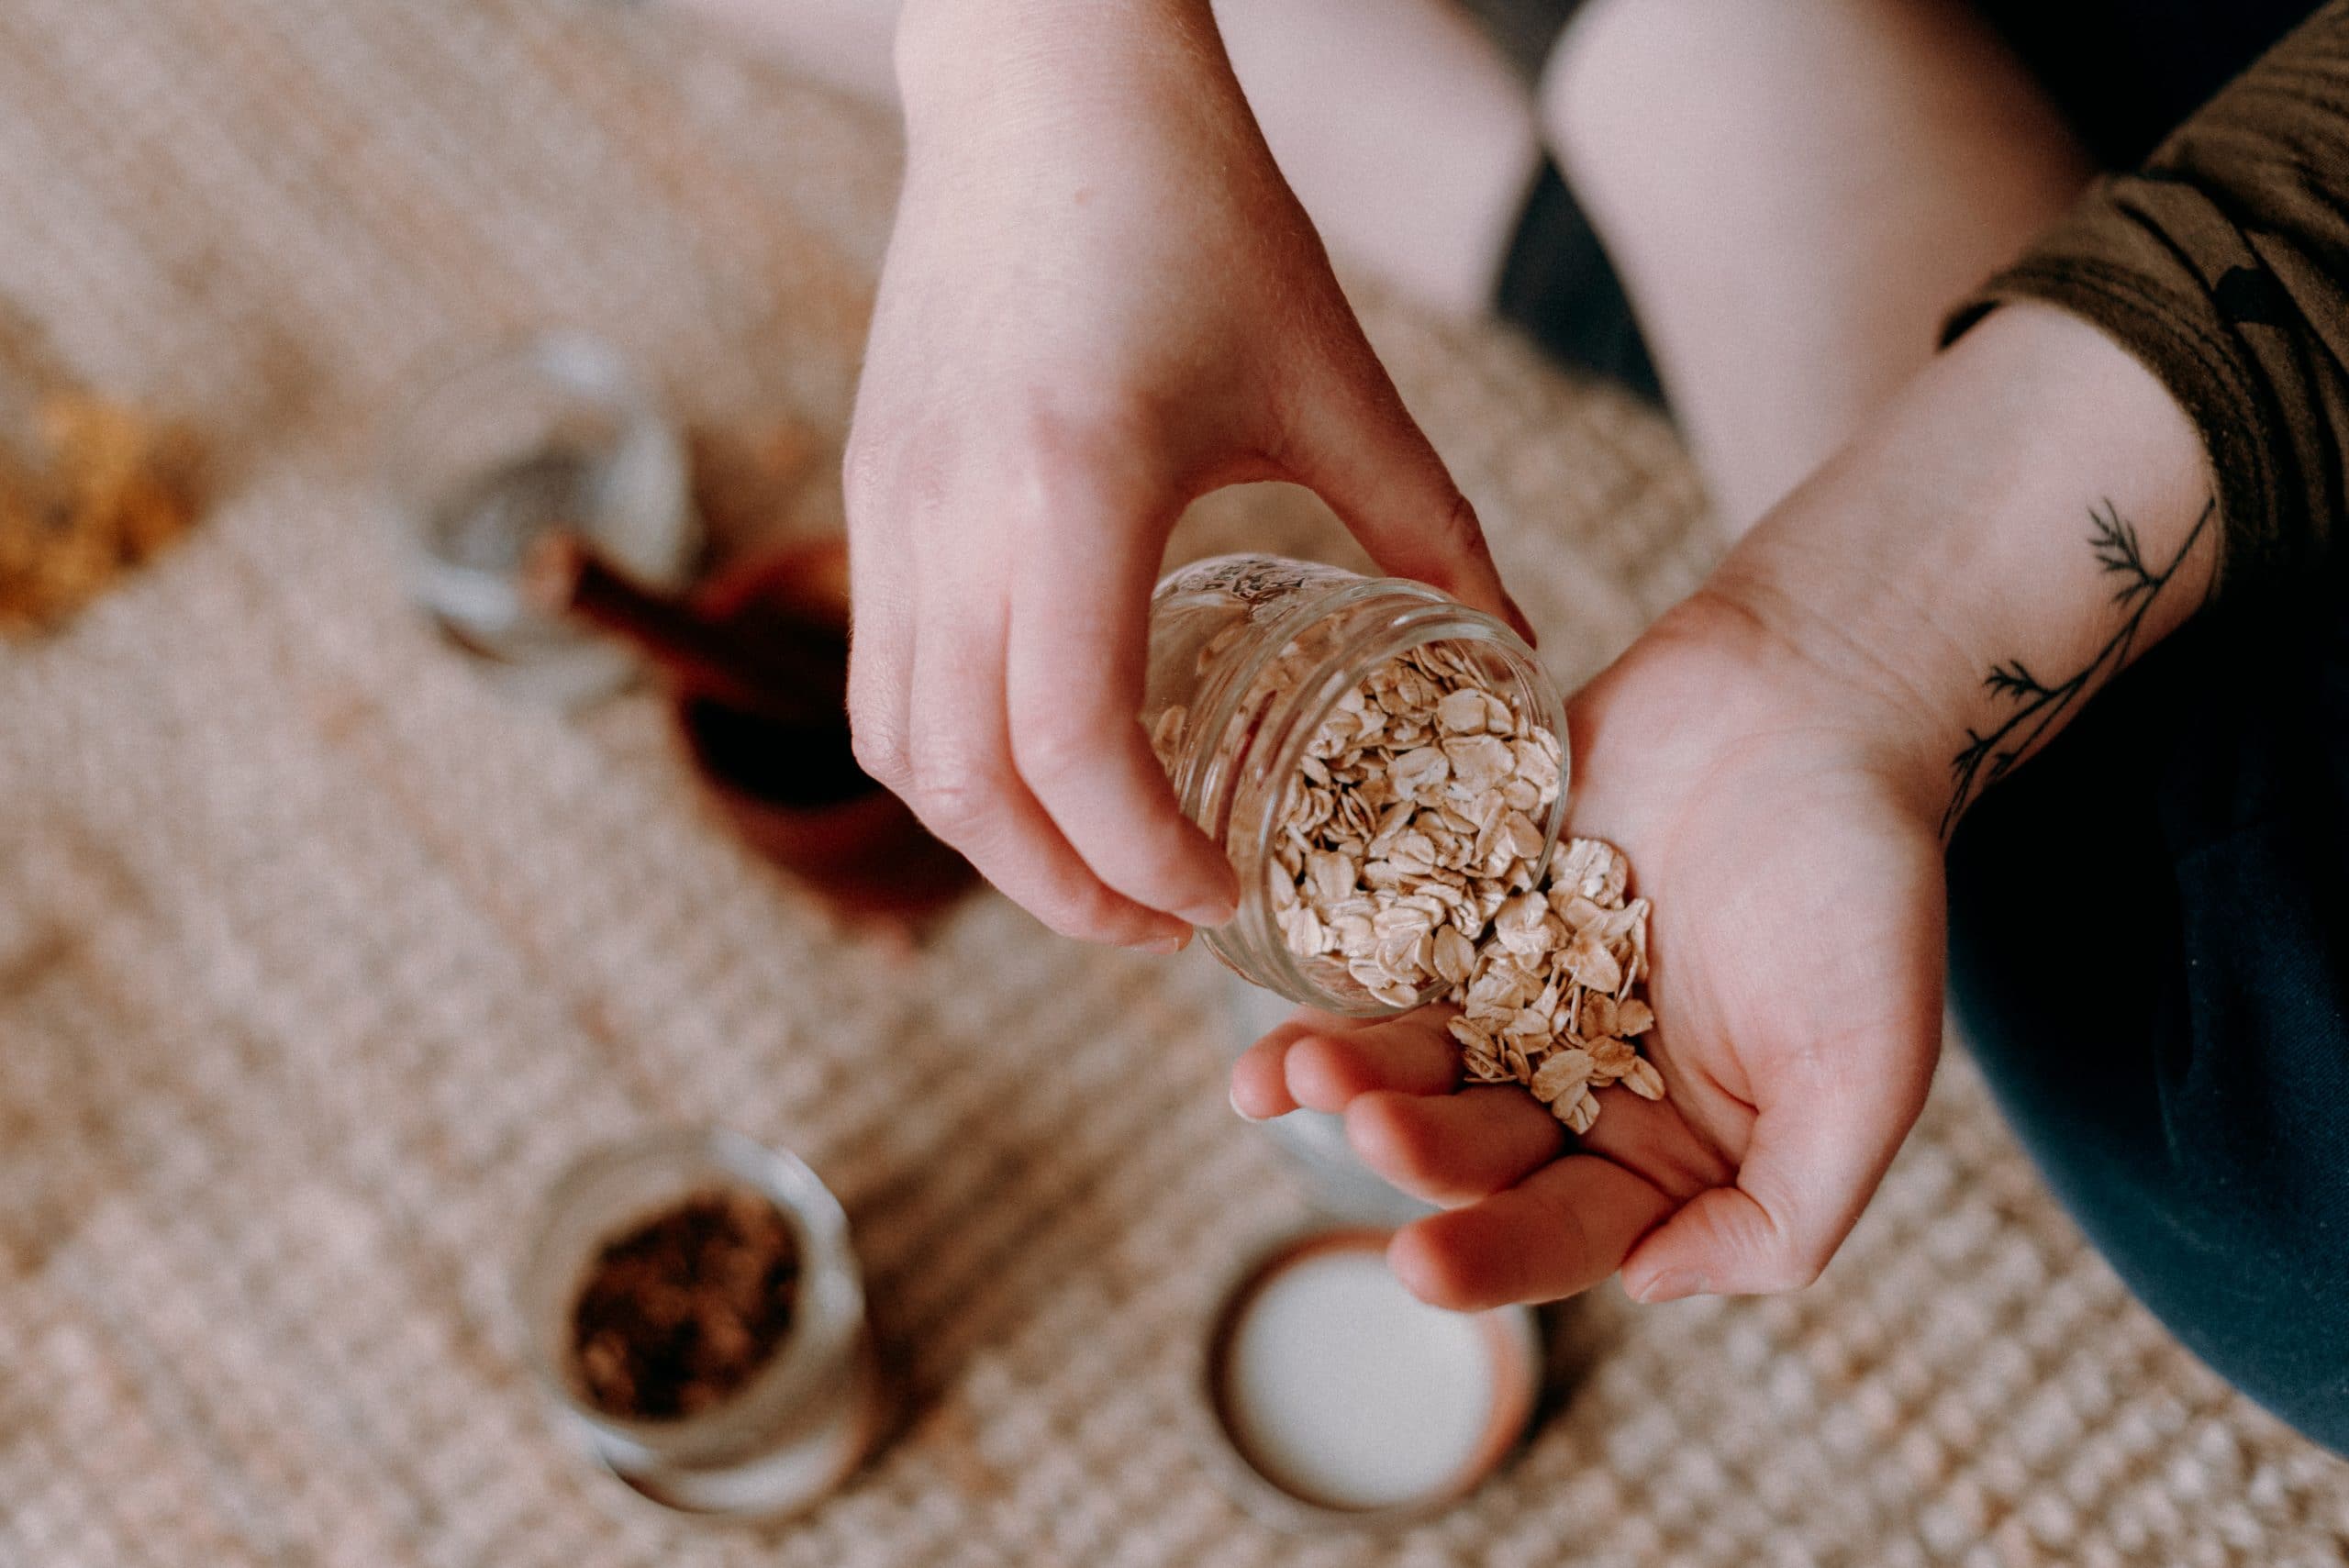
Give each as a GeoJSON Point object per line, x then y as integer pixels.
{"type": "Point", "coordinates": [1797, 946]}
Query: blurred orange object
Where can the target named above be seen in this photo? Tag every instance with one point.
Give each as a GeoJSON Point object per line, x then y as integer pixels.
{"type": "Point", "coordinates": [88, 491]}
{"type": "Point", "coordinates": [757, 666]}
{"type": "Point", "coordinates": [792, 787]}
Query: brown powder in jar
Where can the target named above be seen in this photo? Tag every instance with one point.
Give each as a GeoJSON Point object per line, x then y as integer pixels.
{"type": "Point", "coordinates": [680, 1313]}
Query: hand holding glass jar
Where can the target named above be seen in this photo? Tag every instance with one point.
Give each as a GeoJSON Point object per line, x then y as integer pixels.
{"type": "Point", "coordinates": [1101, 301]}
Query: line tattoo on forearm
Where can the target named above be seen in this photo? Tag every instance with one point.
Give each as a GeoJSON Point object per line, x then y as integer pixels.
{"type": "Point", "coordinates": [2037, 704]}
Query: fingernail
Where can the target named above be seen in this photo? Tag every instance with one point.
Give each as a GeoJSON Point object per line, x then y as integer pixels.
{"type": "Point", "coordinates": [1672, 1285]}
{"type": "Point", "coordinates": [1210, 911]}
{"type": "Point", "coordinates": [1240, 1111]}
{"type": "Point", "coordinates": [1173, 943]}
{"type": "Point", "coordinates": [1218, 907]}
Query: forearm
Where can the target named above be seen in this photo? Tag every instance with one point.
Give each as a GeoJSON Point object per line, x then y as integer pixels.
{"type": "Point", "coordinates": [2033, 513]}
{"type": "Point", "coordinates": [1038, 97]}
{"type": "Point", "coordinates": [2219, 264]}
{"type": "Point", "coordinates": [957, 55]}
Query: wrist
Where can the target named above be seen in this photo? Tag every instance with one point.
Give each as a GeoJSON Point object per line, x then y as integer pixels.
{"type": "Point", "coordinates": [1830, 675]}
{"type": "Point", "coordinates": [1786, 667]}
{"type": "Point", "coordinates": [2028, 515]}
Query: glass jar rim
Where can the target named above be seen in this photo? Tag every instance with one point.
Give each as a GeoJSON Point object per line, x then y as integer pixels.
{"type": "Point", "coordinates": [1423, 616]}
{"type": "Point", "coordinates": [829, 1313]}
{"type": "Point", "coordinates": [574, 365]}
{"type": "Point", "coordinates": [412, 470]}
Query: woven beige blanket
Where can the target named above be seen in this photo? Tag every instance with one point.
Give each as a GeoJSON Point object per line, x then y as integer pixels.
{"type": "Point", "coordinates": [317, 959]}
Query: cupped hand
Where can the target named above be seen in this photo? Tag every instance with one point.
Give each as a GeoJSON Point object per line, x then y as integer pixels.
{"type": "Point", "coordinates": [1100, 302]}
{"type": "Point", "coordinates": [1796, 941]}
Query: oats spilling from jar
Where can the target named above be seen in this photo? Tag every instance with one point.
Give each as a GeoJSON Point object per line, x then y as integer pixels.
{"type": "Point", "coordinates": [1551, 1001]}
{"type": "Point", "coordinates": [1404, 850]}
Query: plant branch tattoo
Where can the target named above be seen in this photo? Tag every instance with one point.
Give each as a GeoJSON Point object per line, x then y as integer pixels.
{"type": "Point", "coordinates": [2036, 703]}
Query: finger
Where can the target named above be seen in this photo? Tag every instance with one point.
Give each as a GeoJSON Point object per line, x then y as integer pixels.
{"type": "Point", "coordinates": [1357, 447]}
{"type": "Point", "coordinates": [961, 783]}
{"type": "Point", "coordinates": [1073, 676]}
{"type": "Point", "coordinates": [1562, 1230]}
{"type": "Point", "coordinates": [881, 634]}
{"type": "Point", "coordinates": [1260, 1077]}
{"type": "Point", "coordinates": [1820, 1147]}
{"type": "Point", "coordinates": [1655, 1139]}
{"type": "Point", "coordinates": [1326, 1068]}
{"type": "Point", "coordinates": [1340, 1058]}
{"type": "Point", "coordinates": [1453, 1149]}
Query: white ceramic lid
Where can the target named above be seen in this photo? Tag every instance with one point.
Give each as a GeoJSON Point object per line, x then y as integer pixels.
{"type": "Point", "coordinates": [1337, 1397]}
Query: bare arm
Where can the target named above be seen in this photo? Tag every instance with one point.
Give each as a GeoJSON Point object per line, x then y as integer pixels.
{"type": "Point", "coordinates": [2030, 514]}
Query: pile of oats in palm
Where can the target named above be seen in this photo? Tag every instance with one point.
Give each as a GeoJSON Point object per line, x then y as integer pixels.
{"type": "Point", "coordinates": [1406, 851]}
{"type": "Point", "coordinates": [1551, 1000]}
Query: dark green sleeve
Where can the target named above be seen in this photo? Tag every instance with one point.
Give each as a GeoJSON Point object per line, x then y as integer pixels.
{"type": "Point", "coordinates": [2224, 265]}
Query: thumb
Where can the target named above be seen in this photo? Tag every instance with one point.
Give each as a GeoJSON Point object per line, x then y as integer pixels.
{"type": "Point", "coordinates": [1354, 444]}
{"type": "Point", "coordinates": [1819, 1149]}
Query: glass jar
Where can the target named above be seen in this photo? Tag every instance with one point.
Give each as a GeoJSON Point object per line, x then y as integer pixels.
{"type": "Point", "coordinates": [806, 1420]}
{"type": "Point", "coordinates": [557, 433]}
{"type": "Point", "coordinates": [1249, 656]}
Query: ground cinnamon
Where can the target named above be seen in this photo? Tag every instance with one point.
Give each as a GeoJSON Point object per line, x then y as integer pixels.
{"type": "Point", "coordinates": [679, 1313]}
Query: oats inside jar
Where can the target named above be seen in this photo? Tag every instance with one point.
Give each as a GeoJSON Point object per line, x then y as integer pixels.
{"type": "Point", "coordinates": [1407, 849]}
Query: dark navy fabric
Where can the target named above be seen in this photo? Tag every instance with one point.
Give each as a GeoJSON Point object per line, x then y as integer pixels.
{"type": "Point", "coordinates": [2127, 72]}
{"type": "Point", "coordinates": [2149, 957]}
{"type": "Point", "coordinates": [1559, 288]}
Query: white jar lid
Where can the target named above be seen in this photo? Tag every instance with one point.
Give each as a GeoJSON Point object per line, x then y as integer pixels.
{"type": "Point", "coordinates": [1337, 1397]}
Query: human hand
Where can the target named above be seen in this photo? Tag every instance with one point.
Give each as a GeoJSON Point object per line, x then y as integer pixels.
{"type": "Point", "coordinates": [1101, 301]}
{"type": "Point", "coordinates": [1792, 856]}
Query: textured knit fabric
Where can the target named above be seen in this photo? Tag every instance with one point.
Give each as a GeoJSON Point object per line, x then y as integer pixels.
{"type": "Point", "coordinates": [2220, 263]}
{"type": "Point", "coordinates": [318, 959]}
